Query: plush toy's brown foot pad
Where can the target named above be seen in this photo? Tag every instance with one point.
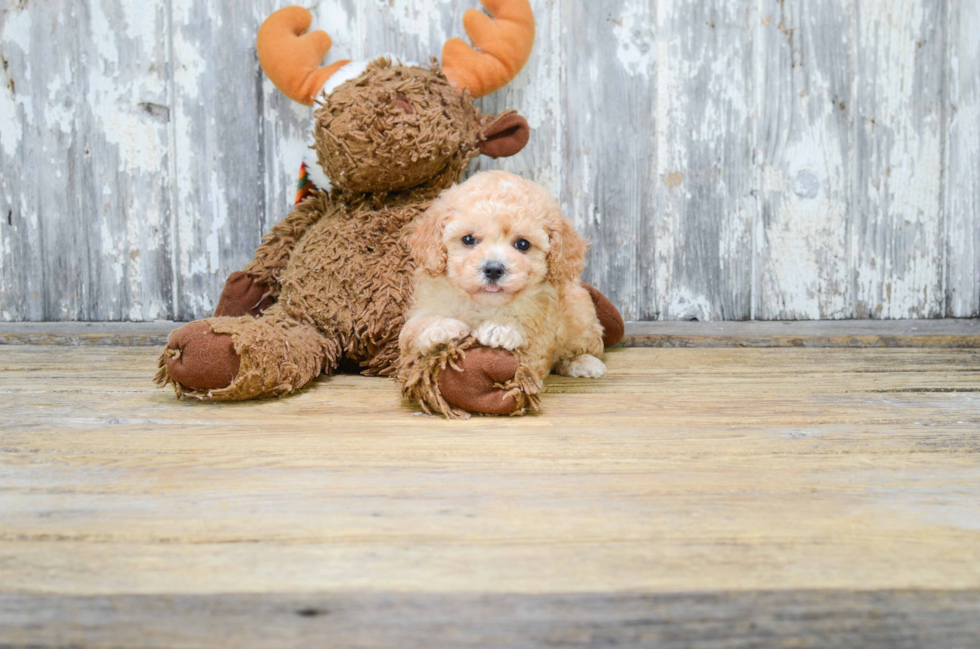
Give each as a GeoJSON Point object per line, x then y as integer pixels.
{"type": "Point", "coordinates": [200, 359]}
{"type": "Point", "coordinates": [459, 379]}
{"type": "Point", "coordinates": [471, 387]}
{"type": "Point", "coordinates": [613, 327]}
{"type": "Point", "coordinates": [243, 295]}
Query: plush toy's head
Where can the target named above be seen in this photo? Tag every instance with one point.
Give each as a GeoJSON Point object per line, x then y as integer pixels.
{"type": "Point", "coordinates": [386, 126]}
{"type": "Point", "coordinates": [397, 126]}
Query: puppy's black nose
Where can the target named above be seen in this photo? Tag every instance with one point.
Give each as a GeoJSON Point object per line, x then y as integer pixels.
{"type": "Point", "coordinates": [493, 270]}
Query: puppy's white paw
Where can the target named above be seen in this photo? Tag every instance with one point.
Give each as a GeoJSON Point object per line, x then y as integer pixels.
{"type": "Point", "coordinates": [441, 332]}
{"type": "Point", "coordinates": [585, 366]}
{"type": "Point", "coordinates": [495, 335]}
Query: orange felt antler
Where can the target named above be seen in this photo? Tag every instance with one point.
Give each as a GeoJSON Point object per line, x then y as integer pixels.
{"type": "Point", "coordinates": [503, 45]}
{"type": "Point", "coordinates": [291, 57]}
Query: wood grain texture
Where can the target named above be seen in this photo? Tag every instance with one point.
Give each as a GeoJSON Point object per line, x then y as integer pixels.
{"type": "Point", "coordinates": [27, 153]}
{"type": "Point", "coordinates": [805, 150]}
{"type": "Point", "coordinates": [681, 487]}
{"type": "Point", "coordinates": [898, 228]}
{"type": "Point", "coordinates": [963, 163]}
{"type": "Point", "coordinates": [610, 145]}
{"type": "Point", "coordinates": [706, 180]}
{"type": "Point", "coordinates": [945, 333]}
{"type": "Point", "coordinates": [85, 204]}
{"type": "Point", "coordinates": [728, 160]}
{"type": "Point", "coordinates": [219, 202]}
{"type": "Point", "coordinates": [822, 619]}
{"type": "Point", "coordinates": [851, 334]}
{"type": "Point", "coordinates": [121, 189]}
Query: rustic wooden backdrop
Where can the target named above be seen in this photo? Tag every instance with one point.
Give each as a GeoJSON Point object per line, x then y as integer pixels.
{"type": "Point", "coordinates": [729, 159]}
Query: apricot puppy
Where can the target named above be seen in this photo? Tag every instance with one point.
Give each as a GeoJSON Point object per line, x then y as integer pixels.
{"type": "Point", "coordinates": [497, 260]}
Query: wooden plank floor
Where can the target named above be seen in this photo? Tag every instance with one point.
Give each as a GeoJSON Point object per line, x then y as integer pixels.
{"type": "Point", "coordinates": [948, 332]}
{"type": "Point", "coordinates": [693, 497]}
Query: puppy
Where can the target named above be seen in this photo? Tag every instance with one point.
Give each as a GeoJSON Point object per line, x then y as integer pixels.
{"type": "Point", "coordinates": [497, 260]}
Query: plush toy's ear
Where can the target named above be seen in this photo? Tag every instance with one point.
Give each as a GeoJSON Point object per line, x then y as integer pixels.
{"type": "Point", "coordinates": [505, 136]}
{"type": "Point", "coordinates": [428, 249]}
{"type": "Point", "coordinates": [566, 254]}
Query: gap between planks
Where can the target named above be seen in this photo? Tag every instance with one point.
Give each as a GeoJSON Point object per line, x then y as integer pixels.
{"type": "Point", "coordinates": [940, 333]}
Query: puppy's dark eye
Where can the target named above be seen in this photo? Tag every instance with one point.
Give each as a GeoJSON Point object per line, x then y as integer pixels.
{"type": "Point", "coordinates": [523, 245]}
{"type": "Point", "coordinates": [469, 240]}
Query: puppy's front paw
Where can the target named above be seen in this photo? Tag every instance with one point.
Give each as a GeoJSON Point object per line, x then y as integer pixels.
{"type": "Point", "coordinates": [585, 366]}
{"type": "Point", "coordinates": [503, 336]}
{"type": "Point", "coordinates": [441, 332]}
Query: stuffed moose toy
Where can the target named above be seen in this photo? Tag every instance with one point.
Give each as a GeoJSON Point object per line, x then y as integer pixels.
{"type": "Point", "coordinates": [329, 285]}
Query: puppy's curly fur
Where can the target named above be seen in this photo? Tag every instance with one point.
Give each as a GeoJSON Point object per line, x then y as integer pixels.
{"type": "Point", "coordinates": [497, 261]}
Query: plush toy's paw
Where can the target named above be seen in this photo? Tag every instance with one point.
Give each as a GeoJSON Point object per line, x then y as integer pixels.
{"type": "Point", "coordinates": [441, 332]}
{"type": "Point", "coordinates": [503, 336]}
{"type": "Point", "coordinates": [243, 295]}
{"type": "Point", "coordinates": [202, 359]}
{"type": "Point", "coordinates": [613, 327]}
{"type": "Point", "coordinates": [472, 386]}
{"type": "Point", "coordinates": [585, 366]}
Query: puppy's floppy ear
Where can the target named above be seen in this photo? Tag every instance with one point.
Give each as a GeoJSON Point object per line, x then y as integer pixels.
{"type": "Point", "coordinates": [566, 254]}
{"type": "Point", "coordinates": [428, 249]}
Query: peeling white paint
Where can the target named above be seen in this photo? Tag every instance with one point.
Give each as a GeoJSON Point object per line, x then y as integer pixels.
{"type": "Point", "coordinates": [58, 112]}
{"type": "Point", "coordinates": [190, 70]}
{"type": "Point", "coordinates": [686, 305]}
{"type": "Point", "coordinates": [333, 17]}
{"type": "Point", "coordinates": [286, 134]}
{"type": "Point", "coordinates": [705, 225]}
{"type": "Point", "coordinates": [805, 181]}
{"type": "Point", "coordinates": [189, 66]}
{"type": "Point", "coordinates": [897, 239]}
{"type": "Point", "coordinates": [962, 200]}
{"type": "Point", "coordinates": [415, 18]}
{"type": "Point", "coordinates": [17, 28]}
{"type": "Point", "coordinates": [15, 107]}
{"type": "Point", "coordinates": [635, 39]}
{"type": "Point", "coordinates": [115, 97]}
{"type": "Point", "coordinates": [15, 110]}
{"type": "Point", "coordinates": [216, 228]}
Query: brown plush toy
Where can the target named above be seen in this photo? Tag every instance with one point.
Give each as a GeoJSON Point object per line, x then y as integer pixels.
{"type": "Point", "coordinates": [330, 283]}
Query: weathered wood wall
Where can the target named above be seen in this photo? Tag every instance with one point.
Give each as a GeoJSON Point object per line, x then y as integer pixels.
{"type": "Point", "coordinates": [729, 159]}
